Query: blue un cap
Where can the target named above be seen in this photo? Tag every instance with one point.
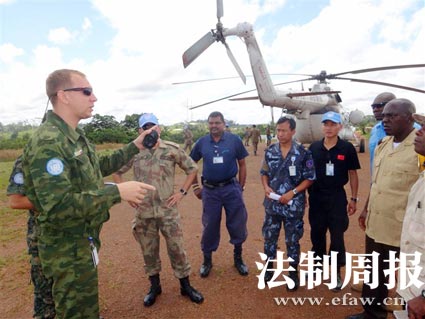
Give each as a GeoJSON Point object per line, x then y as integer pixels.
{"type": "Point", "coordinates": [332, 116]}
{"type": "Point", "coordinates": [147, 118]}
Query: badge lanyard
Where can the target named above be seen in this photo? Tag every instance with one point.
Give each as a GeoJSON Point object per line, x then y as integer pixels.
{"type": "Point", "coordinates": [217, 159]}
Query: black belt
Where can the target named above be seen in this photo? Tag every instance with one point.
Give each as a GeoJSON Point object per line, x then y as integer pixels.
{"type": "Point", "coordinates": [209, 184]}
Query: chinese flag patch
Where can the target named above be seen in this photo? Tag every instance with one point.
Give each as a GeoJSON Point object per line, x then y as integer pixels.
{"type": "Point", "coordinates": [340, 157]}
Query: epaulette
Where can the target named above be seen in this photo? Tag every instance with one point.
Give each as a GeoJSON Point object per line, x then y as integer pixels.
{"type": "Point", "coordinates": [383, 141]}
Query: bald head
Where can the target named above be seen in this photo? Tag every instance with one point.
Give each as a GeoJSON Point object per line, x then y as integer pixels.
{"type": "Point", "coordinates": [398, 120]}
{"type": "Point", "coordinates": [379, 103]}
{"type": "Point", "coordinates": [384, 97]}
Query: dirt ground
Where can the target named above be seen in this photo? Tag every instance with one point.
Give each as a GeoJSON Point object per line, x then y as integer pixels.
{"type": "Point", "coordinates": [123, 283]}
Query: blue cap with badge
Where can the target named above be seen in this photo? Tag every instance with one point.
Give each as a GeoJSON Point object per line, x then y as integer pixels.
{"type": "Point", "coordinates": [332, 116]}
{"type": "Point", "coordinates": [147, 118]}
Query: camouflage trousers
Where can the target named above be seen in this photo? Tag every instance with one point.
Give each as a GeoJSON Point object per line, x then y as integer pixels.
{"type": "Point", "coordinates": [44, 306]}
{"type": "Point", "coordinates": [146, 232]}
{"type": "Point", "coordinates": [68, 260]}
{"type": "Point", "coordinates": [294, 230]}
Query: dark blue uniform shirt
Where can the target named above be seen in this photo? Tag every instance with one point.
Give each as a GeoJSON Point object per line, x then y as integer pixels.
{"type": "Point", "coordinates": [219, 158]}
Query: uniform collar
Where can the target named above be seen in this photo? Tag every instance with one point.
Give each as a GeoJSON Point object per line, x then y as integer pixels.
{"type": "Point", "coordinates": [222, 137]}
{"type": "Point", "coordinates": [67, 130]}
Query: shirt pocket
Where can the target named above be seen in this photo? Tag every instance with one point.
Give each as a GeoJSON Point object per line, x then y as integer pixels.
{"type": "Point", "coordinates": [416, 228]}
{"type": "Point", "coordinates": [166, 172]}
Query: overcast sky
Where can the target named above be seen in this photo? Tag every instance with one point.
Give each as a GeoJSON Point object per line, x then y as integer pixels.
{"type": "Point", "coordinates": [131, 52]}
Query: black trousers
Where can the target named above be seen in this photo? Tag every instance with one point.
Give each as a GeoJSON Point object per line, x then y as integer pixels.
{"type": "Point", "coordinates": [328, 211]}
{"type": "Point", "coordinates": [381, 292]}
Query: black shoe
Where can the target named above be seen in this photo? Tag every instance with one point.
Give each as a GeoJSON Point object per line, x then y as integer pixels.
{"type": "Point", "coordinates": [193, 294]}
{"type": "Point", "coordinates": [206, 266]}
{"type": "Point", "coordinates": [187, 290]}
{"type": "Point", "coordinates": [294, 276]}
{"type": "Point", "coordinates": [268, 276]}
{"type": "Point", "coordinates": [357, 316]}
{"type": "Point", "coordinates": [338, 283]}
{"type": "Point", "coordinates": [269, 272]}
{"type": "Point", "coordinates": [205, 270]}
{"type": "Point", "coordinates": [150, 298]}
{"type": "Point", "coordinates": [154, 291]}
{"type": "Point", "coordinates": [240, 266]}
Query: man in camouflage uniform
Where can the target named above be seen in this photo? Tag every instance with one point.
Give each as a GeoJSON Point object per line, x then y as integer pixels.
{"type": "Point", "coordinates": [64, 181]}
{"type": "Point", "coordinates": [44, 306]}
{"type": "Point", "coordinates": [255, 137]}
{"type": "Point", "coordinates": [158, 212]}
{"type": "Point", "coordinates": [188, 139]}
{"type": "Point", "coordinates": [287, 170]}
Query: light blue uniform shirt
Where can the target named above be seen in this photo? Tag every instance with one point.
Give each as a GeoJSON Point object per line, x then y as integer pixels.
{"type": "Point", "coordinates": [376, 135]}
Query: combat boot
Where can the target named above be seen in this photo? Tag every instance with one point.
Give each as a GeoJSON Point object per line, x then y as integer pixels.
{"type": "Point", "coordinates": [187, 290]}
{"type": "Point", "coordinates": [154, 291]}
{"type": "Point", "coordinates": [294, 276]}
{"type": "Point", "coordinates": [269, 272]}
{"type": "Point", "coordinates": [206, 266]}
{"type": "Point", "coordinates": [239, 264]}
{"type": "Point", "coordinates": [338, 286]}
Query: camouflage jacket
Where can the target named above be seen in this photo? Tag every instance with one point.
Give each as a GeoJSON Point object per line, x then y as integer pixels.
{"type": "Point", "coordinates": [157, 167]}
{"type": "Point", "coordinates": [16, 179]}
{"type": "Point", "coordinates": [64, 179]}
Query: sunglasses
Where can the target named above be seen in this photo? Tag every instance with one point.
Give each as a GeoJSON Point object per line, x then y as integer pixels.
{"type": "Point", "coordinates": [86, 91]}
{"type": "Point", "coordinates": [378, 105]}
{"type": "Point", "coordinates": [147, 126]}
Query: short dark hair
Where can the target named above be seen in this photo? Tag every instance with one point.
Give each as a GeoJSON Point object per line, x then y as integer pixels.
{"type": "Point", "coordinates": [58, 80]}
{"type": "Point", "coordinates": [290, 120]}
{"type": "Point", "coordinates": [216, 114]}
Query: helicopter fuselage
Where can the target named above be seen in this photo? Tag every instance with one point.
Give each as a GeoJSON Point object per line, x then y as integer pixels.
{"type": "Point", "coordinates": [303, 106]}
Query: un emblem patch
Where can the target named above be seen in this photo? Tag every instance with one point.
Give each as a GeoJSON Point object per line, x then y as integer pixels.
{"type": "Point", "coordinates": [54, 166]}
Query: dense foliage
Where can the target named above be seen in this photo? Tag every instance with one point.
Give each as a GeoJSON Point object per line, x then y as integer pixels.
{"type": "Point", "coordinates": [106, 129]}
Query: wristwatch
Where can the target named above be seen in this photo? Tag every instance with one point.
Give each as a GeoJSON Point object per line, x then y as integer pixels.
{"type": "Point", "coordinates": [183, 191]}
{"type": "Point", "coordinates": [423, 293]}
{"type": "Point", "coordinates": [295, 191]}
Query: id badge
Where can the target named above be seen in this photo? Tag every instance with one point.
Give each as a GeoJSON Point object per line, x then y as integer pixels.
{"type": "Point", "coordinates": [94, 256]}
{"type": "Point", "coordinates": [218, 160]}
{"type": "Point", "coordinates": [329, 169]}
{"type": "Point", "coordinates": [292, 170]}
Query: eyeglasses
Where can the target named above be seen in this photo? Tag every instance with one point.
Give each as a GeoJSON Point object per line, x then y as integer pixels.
{"type": "Point", "coordinates": [86, 91]}
{"type": "Point", "coordinates": [378, 105]}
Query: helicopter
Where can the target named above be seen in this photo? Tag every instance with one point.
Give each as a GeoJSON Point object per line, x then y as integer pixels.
{"type": "Point", "coordinates": [306, 106]}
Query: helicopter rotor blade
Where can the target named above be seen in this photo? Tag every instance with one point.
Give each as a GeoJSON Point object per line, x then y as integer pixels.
{"type": "Point", "coordinates": [291, 95]}
{"type": "Point", "coordinates": [235, 64]}
{"type": "Point", "coordinates": [391, 67]}
{"type": "Point", "coordinates": [233, 95]}
{"type": "Point", "coordinates": [382, 83]}
{"type": "Point", "coordinates": [221, 99]}
{"type": "Point", "coordinates": [197, 48]}
{"type": "Point", "coordinates": [248, 98]}
{"type": "Point", "coordinates": [219, 9]}
{"type": "Point", "coordinates": [235, 77]}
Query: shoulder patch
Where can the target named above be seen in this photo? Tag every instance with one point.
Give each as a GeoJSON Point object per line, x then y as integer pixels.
{"type": "Point", "coordinates": [54, 166]}
{"type": "Point", "coordinates": [18, 178]}
{"type": "Point", "coordinates": [309, 163]}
